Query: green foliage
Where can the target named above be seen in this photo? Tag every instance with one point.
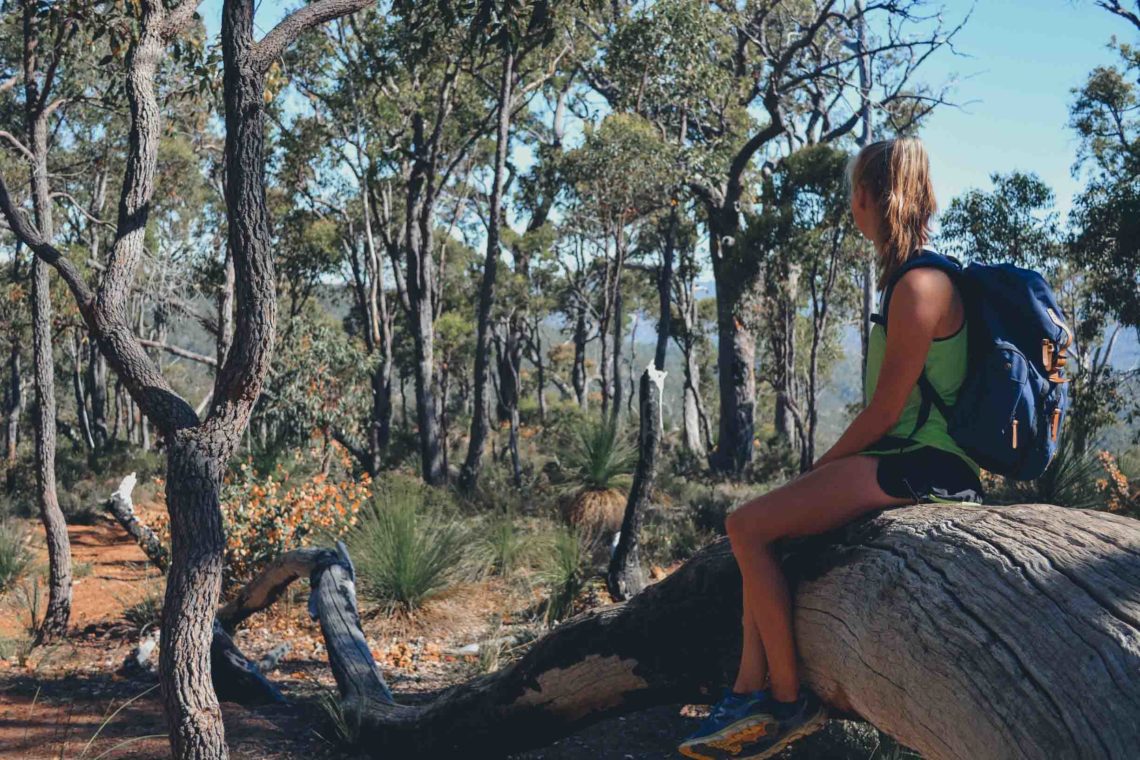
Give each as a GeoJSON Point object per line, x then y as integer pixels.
{"type": "Point", "coordinates": [15, 558]}
{"type": "Point", "coordinates": [598, 455]}
{"type": "Point", "coordinates": [1015, 222]}
{"type": "Point", "coordinates": [1072, 480]}
{"type": "Point", "coordinates": [406, 548]}
{"type": "Point", "coordinates": [564, 571]}
{"type": "Point", "coordinates": [501, 546]}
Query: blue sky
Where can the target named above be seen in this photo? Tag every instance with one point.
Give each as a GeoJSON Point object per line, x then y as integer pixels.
{"type": "Point", "coordinates": [1018, 62]}
{"type": "Point", "coordinates": [1025, 58]}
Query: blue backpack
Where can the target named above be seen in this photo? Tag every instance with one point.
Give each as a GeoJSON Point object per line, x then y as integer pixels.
{"type": "Point", "coordinates": [1010, 407]}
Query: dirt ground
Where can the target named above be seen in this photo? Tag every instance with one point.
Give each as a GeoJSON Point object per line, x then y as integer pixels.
{"type": "Point", "coordinates": [71, 701]}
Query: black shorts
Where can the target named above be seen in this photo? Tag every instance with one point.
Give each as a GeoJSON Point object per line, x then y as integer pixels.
{"type": "Point", "coordinates": [928, 474]}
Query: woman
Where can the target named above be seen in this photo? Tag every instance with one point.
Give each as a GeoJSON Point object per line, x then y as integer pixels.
{"type": "Point", "coordinates": [883, 459]}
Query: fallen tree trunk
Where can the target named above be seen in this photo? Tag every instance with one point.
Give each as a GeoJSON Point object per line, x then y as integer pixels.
{"type": "Point", "coordinates": [970, 633]}
{"type": "Point", "coordinates": [967, 633]}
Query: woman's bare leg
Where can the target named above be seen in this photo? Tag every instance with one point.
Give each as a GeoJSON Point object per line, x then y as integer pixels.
{"type": "Point", "coordinates": [817, 502]}
{"type": "Point", "coordinates": [752, 674]}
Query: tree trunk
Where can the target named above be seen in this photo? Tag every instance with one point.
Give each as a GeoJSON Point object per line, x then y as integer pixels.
{"type": "Point", "coordinates": [618, 318]}
{"type": "Point", "coordinates": [14, 398]}
{"type": "Point", "coordinates": [665, 293]}
{"type": "Point", "coordinates": [431, 458]}
{"type": "Point", "coordinates": [97, 394]}
{"type": "Point", "coordinates": [58, 611]}
{"type": "Point", "coordinates": [692, 422]}
{"type": "Point", "coordinates": [80, 393]}
{"type": "Point", "coordinates": [736, 375]}
{"type": "Point", "coordinates": [481, 414]}
{"type": "Point", "coordinates": [578, 373]}
{"type": "Point", "coordinates": [867, 271]}
{"type": "Point", "coordinates": [626, 576]}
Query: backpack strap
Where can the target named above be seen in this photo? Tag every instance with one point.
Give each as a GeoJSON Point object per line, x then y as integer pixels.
{"type": "Point", "coordinates": [927, 257]}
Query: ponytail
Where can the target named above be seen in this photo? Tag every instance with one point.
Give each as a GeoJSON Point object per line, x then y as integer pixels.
{"type": "Point", "coordinates": [897, 174]}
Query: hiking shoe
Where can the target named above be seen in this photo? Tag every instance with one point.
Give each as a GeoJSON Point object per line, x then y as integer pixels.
{"type": "Point", "coordinates": [734, 725]}
{"type": "Point", "coordinates": [795, 720]}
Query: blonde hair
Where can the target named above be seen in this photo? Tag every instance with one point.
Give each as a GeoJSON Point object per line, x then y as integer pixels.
{"type": "Point", "coordinates": [897, 175]}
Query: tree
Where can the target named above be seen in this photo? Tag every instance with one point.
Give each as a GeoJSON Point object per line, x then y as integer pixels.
{"type": "Point", "coordinates": [707, 72]}
{"type": "Point", "coordinates": [197, 450]}
{"type": "Point", "coordinates": [515, 31]}
{"type": "Point", "coordinates": [48, 33]}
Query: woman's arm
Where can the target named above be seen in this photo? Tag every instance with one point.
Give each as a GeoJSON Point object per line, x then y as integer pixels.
{"type": "Point", "coordinates": [919, 304]}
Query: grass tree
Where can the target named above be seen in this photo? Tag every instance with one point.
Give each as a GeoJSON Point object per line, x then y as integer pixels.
{"type": "Point", "coordinates": [197, 450]}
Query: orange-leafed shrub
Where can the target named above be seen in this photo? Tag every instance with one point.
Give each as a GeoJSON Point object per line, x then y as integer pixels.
{"type": "Point", "coordinates": [267, 515]}
{"type": "Point", "coordinates": [1114, 485]}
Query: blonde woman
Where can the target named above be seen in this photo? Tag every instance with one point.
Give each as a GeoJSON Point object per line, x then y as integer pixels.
{"type": "Point", "coordinates": [894, 452]}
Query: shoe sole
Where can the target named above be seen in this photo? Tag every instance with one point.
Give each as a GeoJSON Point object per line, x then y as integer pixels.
{"type": "Point", "coordinates": [810, 726]}
{"type": "Point", "coordinates": [730, 740]}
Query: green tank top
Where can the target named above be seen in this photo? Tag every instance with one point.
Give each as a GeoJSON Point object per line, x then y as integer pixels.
{"type": "Point", "coordinates": [946, 370]}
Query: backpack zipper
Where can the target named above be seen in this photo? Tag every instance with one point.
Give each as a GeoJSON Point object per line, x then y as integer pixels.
{"type": "Point", "coordinates": [1015, 434]}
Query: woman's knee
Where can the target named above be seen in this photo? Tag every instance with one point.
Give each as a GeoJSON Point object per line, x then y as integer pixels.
{"type": "Point", "coordinates": [746, 525]}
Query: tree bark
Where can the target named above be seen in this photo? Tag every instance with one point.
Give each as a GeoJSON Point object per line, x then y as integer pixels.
{"type": "Point", "coordinates": [736, 348]}
{"type": "Point", "coordinates": [626, 576]}
{"type": "Point", "coordinates": [578, 373]}
{"type": "Point", "coordinates": [14, 398]}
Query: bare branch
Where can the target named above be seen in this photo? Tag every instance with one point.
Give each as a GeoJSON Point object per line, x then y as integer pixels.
{"type": "Point", "coordinates": [1114, 6]}
{"type": "Point", "coordinates": [272, 45]}
{"type": "Point", "coordinates": [185, 353]}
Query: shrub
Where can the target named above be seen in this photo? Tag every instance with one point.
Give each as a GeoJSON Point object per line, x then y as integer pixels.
{"type": "Point", "coordinates": [564, 572]}
{"type": "Point", "coordinates": [266, 516]}
{"type": "Point", "coordinates": [405, 548]}
{"type": "Point", "coordinates": [598, 457]}
{"type": "Point", "coordinates": [501, 546]}
{"type": "Point", "coordinates": [144, 609]}
{"type": "Point", "coordinates": [14, 555]}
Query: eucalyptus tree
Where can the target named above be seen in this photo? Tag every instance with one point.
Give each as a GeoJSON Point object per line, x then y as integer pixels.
{"type": "Point", "coordinates": [747, 83]}
{"type": "Point", "coordinates": [516, 32]}
{"type": "Point", "coordinates": [48, 35]}
{"type": "Point", "coordinates": [197, 450]}
{"type": "Point", "coordinates": [803, 238]}
{"type": "Point", "coordinates": [413, 97]}
{"type": "Point", "coordinates": [620, 176]}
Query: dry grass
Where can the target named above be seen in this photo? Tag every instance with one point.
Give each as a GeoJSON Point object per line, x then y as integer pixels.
{"type": "Point", "coordinates": [595, 511]}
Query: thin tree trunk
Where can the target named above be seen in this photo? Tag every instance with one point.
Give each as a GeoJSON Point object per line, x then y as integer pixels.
{"type": "Point", "coordinates": [481, 414]}
{"type": "Point", "coordinates": [80, 395]}
{"type": "Point", "coordinates": [14, 397]}
{"type": "Point", "coordinates": [58, 611]}
{"type": "Point", "coordinates": [578, 372]}
{"type": "Point", "coordinates": [867, 271]}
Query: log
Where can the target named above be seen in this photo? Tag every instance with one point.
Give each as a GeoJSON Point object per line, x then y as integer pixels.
{"type": "Point", "coordinates": [122, 508]}
{"type": "Point", "coordinates": [967, 633]}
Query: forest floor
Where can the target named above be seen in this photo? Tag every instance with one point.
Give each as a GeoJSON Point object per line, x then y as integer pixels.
{"type": "Point", "coordinates": [71, 701]}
